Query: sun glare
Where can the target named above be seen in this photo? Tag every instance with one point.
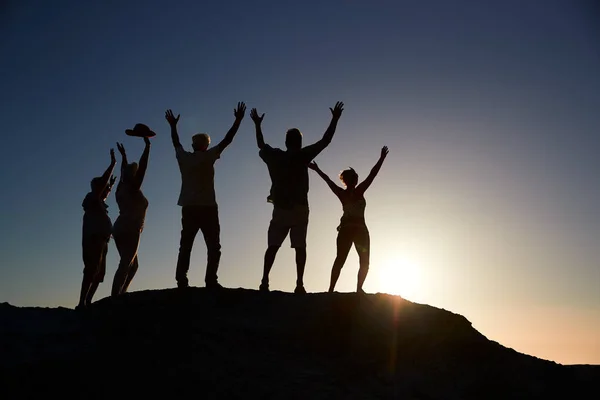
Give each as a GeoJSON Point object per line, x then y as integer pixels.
{"type": "Point", "coordinates": [400, 277]}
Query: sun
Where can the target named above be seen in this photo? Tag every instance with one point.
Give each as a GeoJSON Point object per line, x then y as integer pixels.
{"type": "Point", "coordinates": [400, 277]}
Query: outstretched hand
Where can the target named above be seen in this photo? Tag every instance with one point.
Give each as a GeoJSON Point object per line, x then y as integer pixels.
{"type": "Point", "coordinates": [313, 165]}
{"type": "Point", "coordinates": [336, 112]}
{"type": "Point", "coordinates": [239, 111]}
{"type": "Point", "coordinates": [254, 115]}
{"type": "Point", "coordinates": [121, 148]}
{"type": "Point", "coordinates": [113, 160]}
{"type": "Point", "coordinates": [384, 152]}
{"type": "Point", "coordinates": [171, 118]}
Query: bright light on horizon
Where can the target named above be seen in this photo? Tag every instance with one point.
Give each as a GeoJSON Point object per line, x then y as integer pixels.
{"type": "Point", "coordinates": [400, 276]}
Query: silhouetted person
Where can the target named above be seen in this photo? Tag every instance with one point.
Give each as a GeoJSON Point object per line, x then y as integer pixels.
{"type": "Point", "coordinates": [352, 228]}
{"type": "Point", "coordinates": [199, 210]}
{"type": "Point", "coordinates": [129, 224]}
{"type": "Point", "coordinates": [289, 192]}
{"type": "Point", "coordinates": [97, 228]}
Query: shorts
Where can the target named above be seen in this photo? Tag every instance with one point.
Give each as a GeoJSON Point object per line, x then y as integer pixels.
{"type": "Point", "coordinates": [95, 249]}
{"type": "Point", "coordinates": [293, 221]}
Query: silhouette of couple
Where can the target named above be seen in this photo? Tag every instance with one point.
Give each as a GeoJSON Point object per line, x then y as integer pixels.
{"type": "Point", "coordinates": [288, 171]}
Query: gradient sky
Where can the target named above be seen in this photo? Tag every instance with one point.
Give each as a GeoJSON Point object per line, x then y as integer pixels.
{"type": "Point", "coordinates": [487, 204]}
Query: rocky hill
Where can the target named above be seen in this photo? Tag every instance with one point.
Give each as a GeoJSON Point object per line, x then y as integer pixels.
{"type": "Point", "coordinates": [239, 343]}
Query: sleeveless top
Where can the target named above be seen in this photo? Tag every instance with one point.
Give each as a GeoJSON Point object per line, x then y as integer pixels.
{"type": "Point", "coordinates": [132, 204]}
{"type": "Point", "coordinates": [353, 204]}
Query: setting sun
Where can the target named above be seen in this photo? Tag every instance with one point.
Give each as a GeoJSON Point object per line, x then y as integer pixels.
{"type": "Point", "coordinates": [400, 277]}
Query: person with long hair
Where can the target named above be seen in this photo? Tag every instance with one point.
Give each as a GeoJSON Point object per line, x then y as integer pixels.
{"type": "Point", "coordinates": [129, 225]}
{"type": "Point", "coordinates": [96, 232]}
{"type": "Point", "coordinates": [353, 228]}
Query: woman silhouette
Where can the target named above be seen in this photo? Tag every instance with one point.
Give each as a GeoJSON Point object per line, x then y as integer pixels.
{"type": "Point", "coordinates": [352, 228]}
{"type": "Point", "coordinates": [130, 222]}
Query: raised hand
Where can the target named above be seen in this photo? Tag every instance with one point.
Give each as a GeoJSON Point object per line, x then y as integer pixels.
{"type": "Point", "coordinates": [313, 165]}
{"type": "Point", "coordinates": [171, 118]}
{"type": "Point", "coordinates": [254, 115]}
{"type": "Point", "coordinates": [239, 111]}
{"type": "Point", "coordinates": [146, 141]}
{"type": "Point", "coordinates": [121, 148]}
{"type": "Point", "coordinates": [113, 160]}
{"type": "Point", "coordinates": [111, 182]}
{"type": "Point", "coordinates": [384, 152]}
{"type": "Point", "coordinates": [336, 112]}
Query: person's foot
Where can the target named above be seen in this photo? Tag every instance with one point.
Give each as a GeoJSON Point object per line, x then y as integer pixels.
{"type": "Point", "coordinates": [182, 283]}
{"type": "Point", "coordinates": [213, 285]}
{"type": "Point", "coordinates": [300, 290]}
{"type": "Point", "coordinates": [264, 287]}
{"type": "Point", "coordinates": [80, 307]}
{"type": "Point", "coordinates": [360, 291]}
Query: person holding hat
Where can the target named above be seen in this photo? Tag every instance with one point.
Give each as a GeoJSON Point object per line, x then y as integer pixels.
{"type": "Point", "coordinates": [199, 210]}
{"type": "Point", "coordinates": [96, 232]}
{"type": "Point", "coordinates": [132, 212]}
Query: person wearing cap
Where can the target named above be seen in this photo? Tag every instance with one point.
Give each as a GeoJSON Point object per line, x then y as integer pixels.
{"type": "Point", "coordinates": [289, 192]}
{"type": "Point", "coordinates": [96, 233]}
{"type": "Point", "coordinates": [199, 209]}
{"type": "Point", "coordinates": [133, 204]}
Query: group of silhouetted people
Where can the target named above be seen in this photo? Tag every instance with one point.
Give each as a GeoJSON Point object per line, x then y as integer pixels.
{"type": "Point", "coordinates": [288, 171]}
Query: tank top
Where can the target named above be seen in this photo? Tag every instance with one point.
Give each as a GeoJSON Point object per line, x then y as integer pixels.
{"type": "Point", "coordinates": [132, 204]}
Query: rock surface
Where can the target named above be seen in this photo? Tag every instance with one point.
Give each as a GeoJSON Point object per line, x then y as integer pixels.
{"type": "Point", "coordinates": [239, 343]}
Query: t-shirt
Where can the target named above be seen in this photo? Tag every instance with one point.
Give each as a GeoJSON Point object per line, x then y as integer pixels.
{"type": "Point", "coordinates": [289, 173]}
{"type": "Point", "coordinates": [197, 176]}
{"type": "Point", "coordinates": [95, 217]}
{"type": "Point", "coordinates": [132, 203]}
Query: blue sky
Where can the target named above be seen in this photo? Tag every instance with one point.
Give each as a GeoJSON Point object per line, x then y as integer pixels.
{"type": "Point", "coordinates": [487, 204]}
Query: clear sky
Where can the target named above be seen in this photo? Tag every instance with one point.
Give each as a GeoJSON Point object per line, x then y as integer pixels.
{"type": "Point", "coordinates": [487, 204]}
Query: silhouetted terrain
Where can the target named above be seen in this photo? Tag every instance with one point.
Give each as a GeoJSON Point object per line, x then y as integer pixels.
{"type": "Point", "coordinates": [240, 343]}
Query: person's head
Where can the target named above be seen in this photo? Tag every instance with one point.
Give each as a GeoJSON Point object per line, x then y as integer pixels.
{"type": "Point", "coordinates": [349, 178]}
{"type": "Point", "coordinates": [200, 141]}
{"type": "Point", "coordinates": [96, 186]}
{"type": "Point", "coordinates": [293, 139]}
{"type": "Point", "coordinates": [130, 171]}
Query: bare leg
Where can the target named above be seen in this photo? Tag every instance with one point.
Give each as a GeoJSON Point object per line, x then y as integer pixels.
{"type": "Point", "coordinates": [130, 274]}
{"type": "Point", "coordinates": [269, 260]}
{"type": "Point", "coordinates": [344, 242]}
{"type": "Point", "coordinates": [300, 264]}
{"type": "Point", "coordinates": [127, 241]}
{"type": "Point", "coordinates": [362, 243]}
{"type": "Point", "coordinates": [93, 248]}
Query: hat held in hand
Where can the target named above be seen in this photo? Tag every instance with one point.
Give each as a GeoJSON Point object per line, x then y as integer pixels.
{"type": "Point", "coordinates": [140, 130]}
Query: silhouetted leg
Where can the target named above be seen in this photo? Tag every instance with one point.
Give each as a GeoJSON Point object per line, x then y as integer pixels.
{"type": "Point", "coordinates": [343, 242]}
{"type": "Point", "coordinates": [127, 239]}
{"type": "Point", "coordinates": [130, 274]}
{"type": "Point", "coordinates": [92, 247]}
{"type": "Point", "coordinates": [298, 241]}
{"type": "Point", "coordinates": [190, 226]}
{"type": "Point", "coordinates": [362, 243]}
{"type": "Point", "coordinates": [300, 264]}
{"type": "Point", "coordinates": [269, 260]}
{"type": "Point", "coordinates": [99, 277]}
{"type": "Point", "coordinates": [211, 229]}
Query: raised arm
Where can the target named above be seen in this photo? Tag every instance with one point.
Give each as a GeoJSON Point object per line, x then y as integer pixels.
{"type": "Point", "coordinates": [314, 149]}
{"type": "Point", "coordinates": [364, 185]}
{"type": "Point", "coordinates": [260, 141]}
{"type": "Point", "coordinates": [142, 165]}
{"type": "Point", "coordinates": [239, 116]}
{"type": "Point", "coordinates": [104, 179]}
{"type": "Point", "coordinates": [334, 188]}
{"type": "Point", "coordinates": [121, 149]}
{"type": "Point", "coordinates": [173, 123]}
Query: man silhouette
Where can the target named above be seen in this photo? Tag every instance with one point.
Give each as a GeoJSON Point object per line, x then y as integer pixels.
{"type": "Point", "coordinates": [199, 210]}
{"type": "Point", "coordinates": [289, 192]}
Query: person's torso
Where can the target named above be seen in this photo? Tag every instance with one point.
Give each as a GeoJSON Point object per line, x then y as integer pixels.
{"type": "Point", "coordinates": [353, 205]}
{"type": "Point", "coordinates": [95, 217]}
{"type": "Point", "coordinates": [132, 203]}
{"type": "Point", "coordinates": [197, 179]}
{"type": "Point", "coordinates": [289, 178]}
